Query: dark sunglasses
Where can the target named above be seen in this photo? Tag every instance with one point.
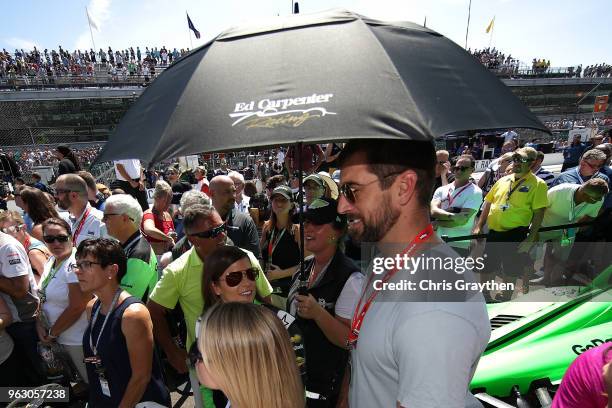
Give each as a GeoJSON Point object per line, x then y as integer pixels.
{"type": "Point", "coordinates": [211, 233]}
{"type": "Point", "coordinates": [349, 192]}
{"type": "Point", "coordinates": [194, 354]}
{"type": "Point", "coordinates": [461, 168]}
{"type": "Point", "coordinates": [49, 239]}
{"type": "Point", "coordinates": [233, 279]}
{"type": "Point", "coordinates": [519, 159]}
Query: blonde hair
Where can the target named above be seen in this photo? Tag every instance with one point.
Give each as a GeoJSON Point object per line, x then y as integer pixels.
{"type": "Point", "coordinates": [247, 349]}
{"type": "Point", "coordinates": [162, 189]}
{"type": "Point", "coordinates": [7, 216]}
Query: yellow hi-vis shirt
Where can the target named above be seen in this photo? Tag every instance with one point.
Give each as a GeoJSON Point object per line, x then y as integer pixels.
{"type": "Point", "coordinates": [517, 211]}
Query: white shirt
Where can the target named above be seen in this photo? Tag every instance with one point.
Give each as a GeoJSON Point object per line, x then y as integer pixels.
{"type": "Point", "coordinates": [56, 300]}
{"type": "Point", "coordinates": [243, 206]}
{"type": "Point", "coordinates": [132, 166]}
{"type": "Point", "coordinates": [562, 209]}
{"type": "Point", "coordinates": [280, 158]}
{"type": "Point", "coordinates": [14, 263]}
{"type": "Point", "coordinates": [93, 227]}
{"type": "Point", "coordinates": [347, 301]}
{"type": "Point", "coordinates": [468, 196]}
{"type": "Point", "coordinates": [509, 135]}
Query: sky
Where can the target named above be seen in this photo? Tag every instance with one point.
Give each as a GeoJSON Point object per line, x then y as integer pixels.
{"type": "Point", "coordinates": [566, 32]}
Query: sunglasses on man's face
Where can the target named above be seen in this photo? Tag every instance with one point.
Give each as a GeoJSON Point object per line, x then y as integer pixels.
{"type": "Point", "coordinates": [233, 279]}
{"type": "Point", "coordinates": [350, 192]}
{"type": "Point", "coordinates": [49, 239]}
{"type": "Point", "coordinates": [211, 233]}
{"type": "Point", "coordinates": [519, 159]}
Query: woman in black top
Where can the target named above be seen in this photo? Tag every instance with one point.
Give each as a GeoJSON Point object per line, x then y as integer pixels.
{"type": "Point", "coordinates": [280, 242]}
{"type": "Point", "coordinates": [122, 366]}
{"type": "Point", "coordinates": [68, 161]}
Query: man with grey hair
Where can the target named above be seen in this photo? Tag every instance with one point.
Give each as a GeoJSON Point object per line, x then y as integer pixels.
{"type": "Point", "coordinates": [241, 201]}
{"type": "Point", "coordinates": [122, 215]}
{"type": "Point", "coordinates": [589, 166]}
{"type": "Point", "coordinates": [182, 281]}
{"type": "Point", "coordinates": [86, 221]}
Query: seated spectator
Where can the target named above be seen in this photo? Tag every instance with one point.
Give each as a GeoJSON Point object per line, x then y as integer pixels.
{"type": "Point", "coordinates": [39, 209]}
{"type": "Point", "coordinates": [122, 366]}
{"type": "Point", "coordinates": [541, 172]}
{"type": "Point", "coordinates": [157, 225]}
{"type": "Point", "coordinates": [122, 216]}
{"type": "Point", "coordinates": [567, 204]}
{"type": "Point", "coordinates": [590, 164]}
{"type": "Point", "coordinates": [62, 316]}
{"type": "Point", "coordinates": [587, 383]}
{"type": "Point", "coordinates": [258, 343]}
{"type": "Point", "coordinates": [12, 223]}
{"type": "Point", "coordinates": [454, 206]}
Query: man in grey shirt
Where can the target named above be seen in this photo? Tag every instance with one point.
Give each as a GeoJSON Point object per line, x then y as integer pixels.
{"type": "Point", "coordinates": [414, 348]}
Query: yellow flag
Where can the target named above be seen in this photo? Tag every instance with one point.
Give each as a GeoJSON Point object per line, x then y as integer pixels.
{"type": "Point", "coordinates": [490, 26]}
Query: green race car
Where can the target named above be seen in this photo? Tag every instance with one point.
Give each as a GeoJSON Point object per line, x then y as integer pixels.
{"type": "Point", "coordinates": [536, 337]}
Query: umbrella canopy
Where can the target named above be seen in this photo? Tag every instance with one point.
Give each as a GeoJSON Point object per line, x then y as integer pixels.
{"type": "Point", "coordinates": [327, 76]}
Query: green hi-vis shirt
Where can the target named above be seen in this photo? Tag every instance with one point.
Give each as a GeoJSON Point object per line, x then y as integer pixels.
{"type": "Point", "coordinates": [141, 276]}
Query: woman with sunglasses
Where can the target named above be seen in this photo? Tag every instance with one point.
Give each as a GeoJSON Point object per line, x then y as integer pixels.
{"type": "Point", "coordinates": [324, 313]}
{"type": "Point", "coordinates": [230, 277]}
{"type": "Point", "coordinates": [39, 208]}
{"type": "Point", "coordinates": [280, 241]}
{"type": "Point", "coordinates": [122, 366]}
{"type": "Point", "coordinates": [62, 318]}
{"type": "Point", "coordinates": [244, 351]}
{"type": "Point", "coordinates": [13, 224]}
{"type": "Point", "coordinates": [157, 225]}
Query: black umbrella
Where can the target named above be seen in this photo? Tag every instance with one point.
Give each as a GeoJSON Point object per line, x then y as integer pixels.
{"type": "Point", "coordinates": [309, 78]}
{"type": "Point", "coordinates": [300, 79]}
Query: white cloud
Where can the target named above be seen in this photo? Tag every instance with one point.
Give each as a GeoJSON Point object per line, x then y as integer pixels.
{"type": "Point", "coordinates": [16, 42]}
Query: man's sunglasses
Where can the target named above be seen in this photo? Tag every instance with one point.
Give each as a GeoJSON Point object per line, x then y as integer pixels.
{"type": "Point", "coordinates": [233, 279]}
{"type": "Point", "coordinates": [211, 233]}
{"type": "Point", "coordinates": [519, 159]}
{"type": "Point", "coordinates": [49, 239]}
{"type": "Point", "coordinates": [349, 192]}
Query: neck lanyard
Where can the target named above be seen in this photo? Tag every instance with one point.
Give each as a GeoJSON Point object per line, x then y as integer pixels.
{"type": "Point", "coordinates": [79, 227]}
{"type": "Point", "coordinates": [512, 190]}
{"type": "Point", "coordinates": [27, 243]}
{"type": "Point", "coordinates": [272, 244]}
{"type": "Point", "coordinates": [43, 287]}
{"type": "Point", "coordinates": [94, 349]}
{"type": "Point", "coordinates": [360, 313]}
{"type": "Point", "coordinates": [456, 193]}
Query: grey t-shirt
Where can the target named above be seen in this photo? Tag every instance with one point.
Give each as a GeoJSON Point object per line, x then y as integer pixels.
{"type": "Point", "coordinates": [419, 353]}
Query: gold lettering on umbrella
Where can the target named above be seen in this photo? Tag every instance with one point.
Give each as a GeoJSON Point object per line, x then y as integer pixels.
{"type": "Point", "coordinates": [287, 119]}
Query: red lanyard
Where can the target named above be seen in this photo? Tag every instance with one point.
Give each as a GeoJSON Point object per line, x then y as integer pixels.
{"type": "Point", "coordinates": [361, 312]}
{"type": "Point", "coordinates": [79, 227]}
{"type": "Point", "coordinates": [272, 244]}
{"type": "Point", "coordinates": [451, 199]}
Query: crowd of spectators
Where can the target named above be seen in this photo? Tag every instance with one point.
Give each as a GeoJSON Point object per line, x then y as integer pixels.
{"type": "Point", "coordinates": [495, 60]}
{"type": "Point", "coordinates": [28, 157]}
{"type": "Point", "coordinates": [567, 123]}
{"type": "Point", "coordinates": [154, 261]}
{"type": "Point", "coordinates": [50, 64]}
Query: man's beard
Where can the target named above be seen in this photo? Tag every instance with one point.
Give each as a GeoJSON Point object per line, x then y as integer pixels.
{"type": "Point", "coordinates": [63, 204]}
{"type": "Point", "coordinates": [378, 226]}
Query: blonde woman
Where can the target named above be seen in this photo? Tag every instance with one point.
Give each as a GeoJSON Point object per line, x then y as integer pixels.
{"type": "Point", "coordinates": [157, 226]}
{"type": "Point", "coordinates": [243, 341]}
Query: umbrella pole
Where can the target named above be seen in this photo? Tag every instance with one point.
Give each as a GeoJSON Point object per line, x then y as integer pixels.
{"type": "Point", "coordinates": [302, 287]}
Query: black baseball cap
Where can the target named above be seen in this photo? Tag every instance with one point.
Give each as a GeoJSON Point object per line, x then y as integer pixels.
{"type": "Point", "coordinates": [324, 211]}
